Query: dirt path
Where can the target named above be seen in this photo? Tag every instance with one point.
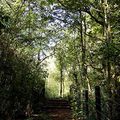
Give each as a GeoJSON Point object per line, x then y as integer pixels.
{"type": "Point", "coordinates": [59, 110]}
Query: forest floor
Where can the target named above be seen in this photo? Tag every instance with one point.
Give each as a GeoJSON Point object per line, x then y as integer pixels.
{"type": "Point", "coordinates": [55, 109]}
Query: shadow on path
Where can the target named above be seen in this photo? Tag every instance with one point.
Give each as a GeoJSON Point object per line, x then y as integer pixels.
{"type": "Point", "coordinates": [58, 110]}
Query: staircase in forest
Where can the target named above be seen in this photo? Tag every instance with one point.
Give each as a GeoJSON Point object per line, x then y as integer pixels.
{"type": "Point", "coordinates": [58, 109]}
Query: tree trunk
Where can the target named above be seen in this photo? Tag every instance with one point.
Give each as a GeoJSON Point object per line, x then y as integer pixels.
{"type": "Point", "coordinates": [107, 35]}
{"type": "Point", "coordinates": [83, 49]}
{"type": "Point", "coordinates": [61, 77]}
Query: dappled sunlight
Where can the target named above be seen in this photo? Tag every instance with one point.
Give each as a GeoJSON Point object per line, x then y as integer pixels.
{"type": "Point", "coordinates": [59, 60]}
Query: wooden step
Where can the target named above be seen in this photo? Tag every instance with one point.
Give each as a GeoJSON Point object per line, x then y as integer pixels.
{"type": "Point", "coordinates": [58, 109]}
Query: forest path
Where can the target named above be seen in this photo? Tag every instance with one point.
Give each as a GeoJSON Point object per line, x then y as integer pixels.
{"type": "Point", "coordinates": [58, 110]}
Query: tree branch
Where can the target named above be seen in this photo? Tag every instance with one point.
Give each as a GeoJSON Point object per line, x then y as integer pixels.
{"type": "Point", "coordinates": [87, 11]}
{"type": "Point", "coordinates": [93, 17]}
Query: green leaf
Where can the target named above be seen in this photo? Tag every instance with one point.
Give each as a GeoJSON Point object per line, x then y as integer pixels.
{"type": "Point", "coordinates": [43, 3]}
{"type": "Point", "coordinates": [51, 1]}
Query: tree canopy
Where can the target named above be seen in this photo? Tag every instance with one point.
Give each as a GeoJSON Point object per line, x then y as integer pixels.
{"type": "Point", "coordinates": [83, 37]}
